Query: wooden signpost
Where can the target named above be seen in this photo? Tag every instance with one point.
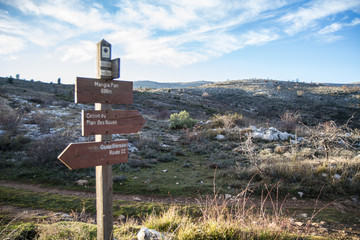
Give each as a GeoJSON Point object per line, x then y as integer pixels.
{"type": "Point", "coordinates": [102, 122]}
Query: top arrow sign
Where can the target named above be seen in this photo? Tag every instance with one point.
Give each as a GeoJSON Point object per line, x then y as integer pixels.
{"type": "Point", "coordinates": [92, 90]}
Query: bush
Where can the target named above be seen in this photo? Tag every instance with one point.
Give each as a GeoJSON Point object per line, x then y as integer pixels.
{"type": "Point", "coordinates": [289, 121]}
{"type": "Point", "coordinates": [8, 143]}
{"type": "Point", "coordinates": [47, 149]}
{"type": "Point", "coordinates": [181, 120]}
{"type": "Point", "coordinates": [228, 120]}
{"type": "Point", "coordinates": [10, 120]}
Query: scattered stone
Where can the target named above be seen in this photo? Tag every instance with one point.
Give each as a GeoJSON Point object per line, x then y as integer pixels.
{"type": "Point", "coordinates": [220, 137]}
{"type": "Point", "coordinates": [164, 145]}
{"type": "Point", "coordinates": [136, 198]}
{"type": "Point", "coordinates": [303, 215]}
{"type": "Point", "coordinates": [165, 170]}
{"type": "Point", "coordinates": [299, 223]}
{"type": "Point", "coordinates": [355, 200]}
{"type": "Point", "coordinates": [121, 218]}
{"type": "Point", "coordinates": [294, 199]}
{"type": "Point", "coordinates": [65, 216]}
{"type": "Point", "coordinates": [149, 234]}
{"type": "Point", "coordinates": [336, 176]}
{"type": "Point", "coordinates": [324, 175]}
{"type": "Point", "coordinates": [301, 194]}
{"type": "Point", "coordinates": [227, 196]}
{"type": "Point", "coordinates": [186, 165]}
{"type": "Point", "coordinates": [82, 182]}
{"type": "Point", "coordinates": [132, 148]}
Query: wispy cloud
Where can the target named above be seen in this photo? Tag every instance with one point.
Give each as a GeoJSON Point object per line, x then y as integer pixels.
{"type": "Point", "coordinates": [307, 16]}
{"type": "Point", "coordinates": [170, 32]}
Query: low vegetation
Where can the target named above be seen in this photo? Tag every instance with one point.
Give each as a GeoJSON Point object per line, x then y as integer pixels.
{"type": "Point", "coordinates": [302, 138]}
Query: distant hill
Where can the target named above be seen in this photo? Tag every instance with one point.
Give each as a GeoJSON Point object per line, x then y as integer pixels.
{"type": "Point", "coordinates": [156, 85]}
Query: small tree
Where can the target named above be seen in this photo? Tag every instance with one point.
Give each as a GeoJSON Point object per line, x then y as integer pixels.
{"type": "Point", "coordinates": [181, 120]}
{"type": "Point", "coordinates": [17, 76]}
{"type": "Point", "coordinates": [10, 79]}
{"type": "Point", "coordinates": [59, 80]}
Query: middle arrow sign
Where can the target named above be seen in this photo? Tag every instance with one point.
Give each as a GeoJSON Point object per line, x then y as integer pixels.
{"type": "Point", "coordinates": [111, 122]}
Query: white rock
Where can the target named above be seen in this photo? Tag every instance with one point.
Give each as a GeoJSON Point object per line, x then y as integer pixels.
{"type": "Point", "coordinates": [220, 137]}
{"type": "Point", "coordinates": [301, 194]}
{"type": "Point", "coordinates": [284, 136]}
{"type": "Point", "coordinates": [82, 182]}
{"type": "Point", "coordinates": [149, 234]}
{"type": "Point", "coordinates": [165, 170]}
{"type": "Point", "coordinates": [227, 196]}
{"type": "Point", "coordinates": [132, 148]}
{"type": "Point", "coordinates": [337, 176]}
{"type": "Point", "coordinates": [294, 199]}
{"type": "Point", "coordinates": [258, 135]}
{"type": "Point", "coordinates": [66, 216]}
{"type": "Point", "coordinates": [324, 175]}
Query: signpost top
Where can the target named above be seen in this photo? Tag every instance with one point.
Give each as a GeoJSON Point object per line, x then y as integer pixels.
{"type": "Point", "coordinates": [105, 50]}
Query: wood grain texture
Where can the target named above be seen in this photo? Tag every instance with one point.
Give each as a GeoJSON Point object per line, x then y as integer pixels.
{"type": "Point", "coordinates": [93, 90]}
{"type": "Point", "coordinates": [111, 122]}
{"type": "Point", "coordinates": [91, 154]}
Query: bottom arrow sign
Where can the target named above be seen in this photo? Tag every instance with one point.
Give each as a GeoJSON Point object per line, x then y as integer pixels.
{"type": "Point", "coordinates": [91, 154]}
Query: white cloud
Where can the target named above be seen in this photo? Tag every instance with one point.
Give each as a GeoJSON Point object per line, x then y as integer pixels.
{"type": "Point", "coordinates": [10, 45]}
{"type": "Point", "coordinates": [331, 28]}
{"type": "Point", "coordinates": [171, 32]}
{"type": "Point", "coordinates": [327, 34]}
{"type": "Point", "coordinates": [308, 15]}
{"type": "Point", "coordinates": [83, 51]}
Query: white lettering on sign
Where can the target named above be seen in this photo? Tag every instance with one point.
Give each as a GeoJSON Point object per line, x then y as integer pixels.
{"type": "Point", "coordinates": [106, 91]}
{"type": "Point", "coordinates": [117, 152]}
{"type": "Point", "coordinates": [105, 86]}
{"type": "Point", "coordinates": [89, 122]}
{"type": "Point", "coordinates": [112, 146]}
{"type": "Point", "coordinates": [107, 122]}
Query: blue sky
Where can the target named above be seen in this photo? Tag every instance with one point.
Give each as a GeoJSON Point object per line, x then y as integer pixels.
{"type": "Point", "coordinates": [183, 40]}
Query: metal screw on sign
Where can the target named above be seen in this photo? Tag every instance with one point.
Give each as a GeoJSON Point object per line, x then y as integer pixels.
{"type": "Point", "coordinates": [102, 122]}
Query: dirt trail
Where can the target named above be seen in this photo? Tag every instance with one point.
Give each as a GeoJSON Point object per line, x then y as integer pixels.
{"type": "Point", "coordinates": [288, 203]}
{"type": "Point", "coordinates": [333, 230]}
{"type": "Point", "coordinates": [116, 196]}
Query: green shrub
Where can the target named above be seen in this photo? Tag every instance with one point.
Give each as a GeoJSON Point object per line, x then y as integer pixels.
{"type": "Point", "coordinates": [181, 120]}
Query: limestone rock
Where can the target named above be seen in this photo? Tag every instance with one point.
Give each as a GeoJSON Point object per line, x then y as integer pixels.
{"type": "Point", "coordinates": [149, 234]}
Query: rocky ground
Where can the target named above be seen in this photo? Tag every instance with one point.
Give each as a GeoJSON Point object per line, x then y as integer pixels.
{"type": "Point", "coordinates": [304, 137]}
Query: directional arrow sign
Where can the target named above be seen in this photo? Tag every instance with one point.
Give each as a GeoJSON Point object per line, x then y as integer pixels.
{"type": "Point", "coordinates": [92, 90]}
{"type": "Point", "coordinates": [91, 154]}
{"type": "Point", "coordinates": [111, 122]}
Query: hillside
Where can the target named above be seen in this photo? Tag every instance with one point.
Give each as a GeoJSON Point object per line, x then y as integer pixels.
{"type": "Point", "coordinates": [156, 85]}
{"type": "Point", "coordinates": [301, 140]}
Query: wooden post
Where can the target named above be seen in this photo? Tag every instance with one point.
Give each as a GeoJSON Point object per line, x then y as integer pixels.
{"type": "Point", "coordinates": [103, 91]}
{"type": "Point", "coordinates": [104, 183]}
